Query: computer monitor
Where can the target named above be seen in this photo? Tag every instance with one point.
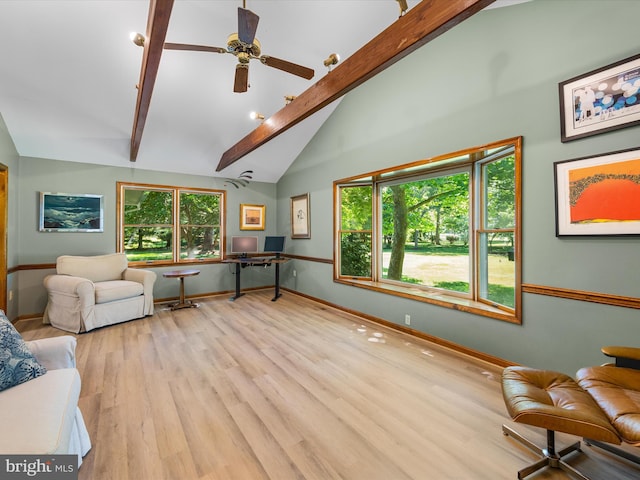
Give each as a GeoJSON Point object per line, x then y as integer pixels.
{"type": "Point", "coordinates": [244, 244]}
{"type": "Point", "coordinates": [274, 244]}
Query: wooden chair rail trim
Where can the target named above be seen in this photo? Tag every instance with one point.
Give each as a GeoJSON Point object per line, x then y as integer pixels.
{"type": "Point", "coordinates": [30, 266]}
{"type": "Point", "coordinates": [594, 297]}
{"type": "Point", "coordinates": [310, 259]}
{"type": "Point", "coordinates": [567, 293]}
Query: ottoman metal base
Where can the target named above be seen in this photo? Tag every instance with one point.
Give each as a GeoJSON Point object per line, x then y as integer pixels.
{"type": "Point", "coordinates": [549, 456]}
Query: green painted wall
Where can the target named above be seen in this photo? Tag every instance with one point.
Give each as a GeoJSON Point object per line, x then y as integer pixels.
{"type": "Point", "coordinates": [37, 175]}
{"type": "Point", "coordinates": [492, 77]}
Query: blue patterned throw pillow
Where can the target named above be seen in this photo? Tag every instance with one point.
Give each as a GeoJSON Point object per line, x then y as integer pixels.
{"type": "Point", "coordinates": [17, 363]}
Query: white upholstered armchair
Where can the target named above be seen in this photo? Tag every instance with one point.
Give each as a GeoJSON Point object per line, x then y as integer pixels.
{"type": "Point", "coordinates": [91, 292]}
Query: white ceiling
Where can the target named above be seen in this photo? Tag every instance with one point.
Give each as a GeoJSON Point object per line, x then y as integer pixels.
{"type": "Point", "coordinates": [68, 72]}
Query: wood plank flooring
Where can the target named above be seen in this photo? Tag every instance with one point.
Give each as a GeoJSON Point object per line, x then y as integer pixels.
{"type": "Point", "coordinates": [293, 389]}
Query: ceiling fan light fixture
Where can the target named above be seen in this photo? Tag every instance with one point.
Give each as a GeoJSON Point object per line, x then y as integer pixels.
{"type": "Point", "coordinates": [237, 46]}
{"type": "Point", "coordinates": [137, 38]}
{"type": "Point", "coordinates": [256, 116]}
{"type": "Point", "coordinates": [331, 60]}
{"type": "Point", "coordinates": [289, 98]}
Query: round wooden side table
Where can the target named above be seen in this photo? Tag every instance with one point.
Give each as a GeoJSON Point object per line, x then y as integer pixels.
{"type": "Point", "coordinates": [182, 303]}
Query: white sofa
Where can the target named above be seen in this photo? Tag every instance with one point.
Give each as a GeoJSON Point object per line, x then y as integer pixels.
{"type": "Point", "coordinates": [91, 292]}
{"type": "Point", "coordinates": [41, 416]}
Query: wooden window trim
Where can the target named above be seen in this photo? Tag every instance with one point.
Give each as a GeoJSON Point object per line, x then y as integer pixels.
{"type": "Point", "coordinates": [436, 296]}
{"type": "Point", "coordinates": [176, 191]}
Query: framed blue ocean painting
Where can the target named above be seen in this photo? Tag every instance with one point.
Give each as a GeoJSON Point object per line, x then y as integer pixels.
{"type": "Point", "coordinates": [71, 212]}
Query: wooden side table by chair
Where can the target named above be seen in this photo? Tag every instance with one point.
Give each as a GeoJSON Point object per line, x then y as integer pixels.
{"type": "Point", "coordinates": [181, 274]}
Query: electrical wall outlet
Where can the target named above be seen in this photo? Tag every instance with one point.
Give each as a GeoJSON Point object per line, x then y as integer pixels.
{"type": "Point", "coordinates": [407, 319]}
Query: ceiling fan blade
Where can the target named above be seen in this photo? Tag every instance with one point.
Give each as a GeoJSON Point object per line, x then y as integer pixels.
{"type": "Point", "coordinates": [241, 82]}
{"type": "Point", "coordinates": [288, 67]}
{"type": "Point", "coordinates": [247, 25]}
{"type": "Point", "coordinates": [194, 48]}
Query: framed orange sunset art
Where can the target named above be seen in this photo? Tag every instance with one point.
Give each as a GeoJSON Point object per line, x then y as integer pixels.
{"type": "Point", "coordinates": [598, 195]}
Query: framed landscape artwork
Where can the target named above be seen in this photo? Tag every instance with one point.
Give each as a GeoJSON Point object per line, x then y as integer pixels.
{"type": "Point", "coordinates": [252, 217]}
{"type": "Point", "coordinates": [598, 195]}
{"type": "Point", "coordinates": [300, 217]}
{"type": "Point", "coordinates": [71, 212]}
{"type": "Point", "coordinates": [601, 100]}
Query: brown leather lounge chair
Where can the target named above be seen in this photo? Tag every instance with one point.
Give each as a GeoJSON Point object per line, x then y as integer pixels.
{"type": "Point", "coordinates": [602, 405]}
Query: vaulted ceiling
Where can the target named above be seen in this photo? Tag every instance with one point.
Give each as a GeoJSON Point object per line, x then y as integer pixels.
{"type": "Point", "coordinates": [68, 76]}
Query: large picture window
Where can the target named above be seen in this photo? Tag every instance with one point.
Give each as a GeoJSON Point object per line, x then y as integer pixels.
{"type": "Point", "coordinates": [444, 230]}
{"type": "Point", "coordinates": [164, 224]}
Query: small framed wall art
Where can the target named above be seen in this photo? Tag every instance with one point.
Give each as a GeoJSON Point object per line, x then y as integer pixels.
{"type": "Point", "coordinates": [71, 212]}
{"type": "Point", "coordinates": [252, 217]}
{"type": "Point", "coordinates": [300, 216]}
{"type": "Point", "coordinates": [601, 100]}
{"type": "Point", "coordinates": [598, 195]}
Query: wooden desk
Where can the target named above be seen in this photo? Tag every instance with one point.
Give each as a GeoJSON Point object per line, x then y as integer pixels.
{"type": "Point", "coordinates": [256, 261]}
{"type": "Point", "coordinates": [182, 303]}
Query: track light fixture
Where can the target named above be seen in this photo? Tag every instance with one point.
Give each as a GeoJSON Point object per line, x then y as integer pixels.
{"type": "Point", "coordinates": [403, 6]}
{"type": "Point", "coordinates": [331, 60]}
{"type": "Point", "coordinates": [289, 98]}
{"type": "Point", "coordinates": [137, 38]}
{"type": "Point", "coordinates": [256, 116]}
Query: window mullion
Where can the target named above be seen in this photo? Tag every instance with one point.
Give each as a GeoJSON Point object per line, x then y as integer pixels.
{"type": "Point", "coordinates": [377, 243]}
{"type": "Point", "coordinates": [475, 219]}
{"type": "Point", "coordinates": [176, 224]}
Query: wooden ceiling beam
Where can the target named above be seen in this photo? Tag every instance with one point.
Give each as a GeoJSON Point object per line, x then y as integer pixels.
{"type": "Point", "coordinates": [424, 22]}
{"type": "Point", "coordinates": [157, 25]}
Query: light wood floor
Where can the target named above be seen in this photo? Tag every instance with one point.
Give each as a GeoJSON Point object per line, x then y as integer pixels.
{"type": "Point", "coordinates": [293, 389]}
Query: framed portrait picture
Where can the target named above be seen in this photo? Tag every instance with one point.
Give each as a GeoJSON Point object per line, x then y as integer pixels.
{"type": "Point", "coordinates": [598, 195]}
{"type": "Point", "coordinates": [252, 217]}
{"type": "Point", "coordinates": [601, 100]}
{"type": "Point", "coordinates": [71, 212]}
{"type": "Point", "coordinates": [300, 217]}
